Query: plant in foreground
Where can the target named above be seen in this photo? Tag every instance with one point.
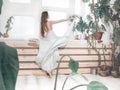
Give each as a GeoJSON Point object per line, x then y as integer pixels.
{"type": "Point", "coordinates": [74, 65]}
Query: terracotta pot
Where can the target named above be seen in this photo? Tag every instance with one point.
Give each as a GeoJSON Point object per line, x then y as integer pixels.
{"type": "Point", "coordinates": [103, 70]}
{"type": "Point", "coordinates": [98, 35]}
{"type": "Point", "coordinates": [104, 67]}
{"type": "Point", "coordinates": [104, 73]}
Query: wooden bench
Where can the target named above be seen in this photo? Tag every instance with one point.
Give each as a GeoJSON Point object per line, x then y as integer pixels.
{"type": "Point", "coordinates": [78, 50]}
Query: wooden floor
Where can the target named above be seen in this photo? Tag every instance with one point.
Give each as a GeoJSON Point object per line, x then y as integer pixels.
{"type": "Point", "coordinates": [76, 49]}
{"type": "Point", "coordinates": [46, 83]}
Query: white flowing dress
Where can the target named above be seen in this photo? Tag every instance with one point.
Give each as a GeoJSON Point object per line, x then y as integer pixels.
{"type": "Point", "coordinates": [48, 49]}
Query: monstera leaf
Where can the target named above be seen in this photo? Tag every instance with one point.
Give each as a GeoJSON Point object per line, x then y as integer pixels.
{"type": "Point", "coordinates": [73, 65]}
{"type": "Point", "coordinates": [9, 67]}
{"type": "Point", "coordinates": [95, 85]}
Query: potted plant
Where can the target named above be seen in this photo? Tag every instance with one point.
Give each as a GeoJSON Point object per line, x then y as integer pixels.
{"type": "Point", "coordinates": [89, 28]}
{"type": "Point", "coordinates": [8, 27]}
{"type": "Point", "coordinates": [99, 10]}
{"type": "Point", "coordinates": [93, 28]}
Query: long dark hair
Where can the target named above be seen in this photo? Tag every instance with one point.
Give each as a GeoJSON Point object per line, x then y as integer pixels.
{"type": "Point", "coordinates": [44, 18]}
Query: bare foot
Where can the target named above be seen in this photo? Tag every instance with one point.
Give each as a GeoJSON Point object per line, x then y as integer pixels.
{"type": "Point", "coordinates": [49, 74]}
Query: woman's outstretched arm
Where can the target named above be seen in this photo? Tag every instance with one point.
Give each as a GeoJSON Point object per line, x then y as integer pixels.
{"type": "Point", "coordinates": [59, 21]}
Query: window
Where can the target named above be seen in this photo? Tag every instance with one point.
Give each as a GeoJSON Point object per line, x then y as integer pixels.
{"type": "Point", "coordinates": [27, 20]}
{"type": "Point", "coordinates": [56, 3]}
{"type": "Point", "coordinates": [23, 27]}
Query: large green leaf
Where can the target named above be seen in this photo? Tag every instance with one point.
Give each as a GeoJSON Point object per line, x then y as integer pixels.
{"type": "Point", "coordinates": [9, 67]}
{"type": "Point", "coordinates": [95, 85]}
{"type": "Point", "coordinates": [1, 3]}
{"type": "Point", "coordinates": [81, 25]}
{"type": "Point", "coordinates": [73, 65]}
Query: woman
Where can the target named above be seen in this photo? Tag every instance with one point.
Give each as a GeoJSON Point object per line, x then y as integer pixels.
{"type": "Point", "coordinates": [48, 53]}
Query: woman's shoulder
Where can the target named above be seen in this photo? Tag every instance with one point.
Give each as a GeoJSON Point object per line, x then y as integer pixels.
{"type": "Point", "coordinates": [49, 22]}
